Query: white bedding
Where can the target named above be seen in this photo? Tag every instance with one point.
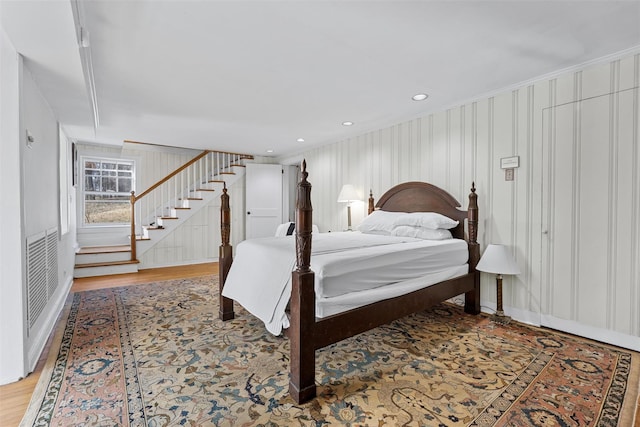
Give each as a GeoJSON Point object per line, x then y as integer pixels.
{"type": "Point", "coordinates": [351, 270]}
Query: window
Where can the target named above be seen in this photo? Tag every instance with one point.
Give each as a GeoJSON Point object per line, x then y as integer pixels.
{"type": "Point", "coordinates": [107, 190]}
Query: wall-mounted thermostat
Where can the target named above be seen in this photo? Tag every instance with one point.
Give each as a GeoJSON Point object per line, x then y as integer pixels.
{"type": "Point", "coordinates": [510, 162]}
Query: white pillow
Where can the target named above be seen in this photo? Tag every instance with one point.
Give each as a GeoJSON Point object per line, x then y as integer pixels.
{"type": "Point", "coordinates": [379, 222]}
{"type": "Point", "coordinates": [430, 220]}
{"type": "Point", "coordinates": [421, 233]}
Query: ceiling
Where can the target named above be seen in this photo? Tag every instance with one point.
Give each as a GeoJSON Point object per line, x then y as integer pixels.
{"type": "Point", "coordinates": [252, 76]}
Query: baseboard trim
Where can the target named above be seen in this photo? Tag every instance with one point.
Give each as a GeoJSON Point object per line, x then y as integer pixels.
{"type": "Point", "coordinates": [604, 335]}
{"type": "Point", "coordinates": [607, 336]}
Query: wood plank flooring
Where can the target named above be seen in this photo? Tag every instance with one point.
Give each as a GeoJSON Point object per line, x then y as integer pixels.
{"type": "Point", "coordinates": [14, 398]}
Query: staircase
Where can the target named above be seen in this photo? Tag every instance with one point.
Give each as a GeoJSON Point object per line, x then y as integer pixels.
{"type": "Point", "coordinates": [160, 209]}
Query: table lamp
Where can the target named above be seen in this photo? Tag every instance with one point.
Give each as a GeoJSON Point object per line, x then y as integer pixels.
{"type": "Point", "coordinates": [347, 195]}
{"type": "Point", "coordinates": [497, 259]}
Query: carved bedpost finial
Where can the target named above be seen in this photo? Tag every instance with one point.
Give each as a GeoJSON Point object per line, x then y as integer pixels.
{"type": "Point", "coordinates": [303, 222]}
{"type": "Point", "coordinates": [371, 202]}
{"type": "Point", "coordinates": [473, 214]}
{"type": "Point", "coordinates": [225, 217]}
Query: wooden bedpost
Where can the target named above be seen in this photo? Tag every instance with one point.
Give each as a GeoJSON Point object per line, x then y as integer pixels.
{"type": "Point", "coordinates": [302, 385]}
{"type": "Point", "coordinates": [371, 202]}
{"type": "Point", "coordinates": [225, 256]}
{"type": "Point", "coordinates": [472, 298]}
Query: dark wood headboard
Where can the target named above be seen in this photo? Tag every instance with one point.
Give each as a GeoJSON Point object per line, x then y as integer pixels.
{"type": "Point", "coordinates": [424, 197]}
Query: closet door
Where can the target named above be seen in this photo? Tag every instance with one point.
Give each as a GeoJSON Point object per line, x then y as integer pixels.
{"type": "Point", "coordinates": [590, 215]}
{"type": "Point", "coordinates": [263, 199]}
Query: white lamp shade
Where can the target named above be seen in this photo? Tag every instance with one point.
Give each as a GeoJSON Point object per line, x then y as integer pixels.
{"type": "Point", "coordinates": [497, 259]}
{"type": "Point", "coordinates": [348, 194]}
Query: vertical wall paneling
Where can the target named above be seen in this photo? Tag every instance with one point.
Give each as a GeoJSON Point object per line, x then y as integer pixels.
{"type": "Point", "coordinates": [547, 195]}
{"type": "Point", "coordinates": [592, 241]}
{"type": "Point", "coordinates": [514, 194]}
{"type": "Point", "coordinates": [576, 183]}
{"type": "Point", "coordinates": [577, 189]}
{"type": "Point", "coordinates": [612, 244]}
{"type": "Point", "coordinates": [447, 158]}
{"type": "Point", "coordinates": [634, 293]}
{"type": "Point", "coordinates": [591, 186]}
{"type": "Point", "coordinates": [622, 263]}
{"type": "Point", "coordinates": [431, 162]}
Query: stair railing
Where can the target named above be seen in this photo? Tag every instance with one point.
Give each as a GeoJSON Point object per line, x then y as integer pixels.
{"type": "Point", "coordinates": [173, 191]}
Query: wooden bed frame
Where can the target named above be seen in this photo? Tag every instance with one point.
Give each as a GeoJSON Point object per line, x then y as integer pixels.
{"type": "Point", "coordinates": [307, 333]}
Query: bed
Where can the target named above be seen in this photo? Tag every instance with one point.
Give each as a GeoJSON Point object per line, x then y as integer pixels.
{"type": "Point", "coordinates": [310, 317]}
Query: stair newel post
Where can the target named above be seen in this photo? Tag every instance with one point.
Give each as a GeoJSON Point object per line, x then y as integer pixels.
{"type": "Point", "coordinates": [225, 256]}
{"type": "Point", "coordinates": [302, 385]}
{"type": "Point", "coordinates": [132, 200]}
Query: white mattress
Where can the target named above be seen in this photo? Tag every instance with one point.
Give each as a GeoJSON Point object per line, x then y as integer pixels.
{"type": "Point", "coordinates": [346, 264]}
{"type": "Point", "coordinates": [339, 273]}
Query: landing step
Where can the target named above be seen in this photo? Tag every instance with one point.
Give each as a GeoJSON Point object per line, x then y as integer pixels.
{"type": "Point", "coordinates": [107, 264]}
{"type": "Point", "coordinates": [104, 249]}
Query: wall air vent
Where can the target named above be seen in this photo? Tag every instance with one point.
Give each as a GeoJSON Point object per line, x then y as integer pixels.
{"type": "Point", "coordinates": [42, 272]}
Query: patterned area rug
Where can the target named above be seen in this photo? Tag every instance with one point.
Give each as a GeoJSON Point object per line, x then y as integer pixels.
{"type": "Point", "coordinates": [157, 355]}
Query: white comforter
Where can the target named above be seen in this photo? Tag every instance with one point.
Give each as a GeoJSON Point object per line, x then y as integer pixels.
{"type": "Point", "coordinates": [260, 276]}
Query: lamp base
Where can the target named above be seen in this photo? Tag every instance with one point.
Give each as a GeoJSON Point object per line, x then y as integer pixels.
{"type": "Point", "coordinates": [501, 318]}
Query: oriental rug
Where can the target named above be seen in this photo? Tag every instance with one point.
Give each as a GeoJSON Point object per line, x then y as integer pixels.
{"type": "Point", "coordinates": [157, 355]}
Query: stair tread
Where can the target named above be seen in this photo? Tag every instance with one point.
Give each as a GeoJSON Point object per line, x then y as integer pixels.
{"type": "Point", "coordinates": [217, 180]}
{"type": "Point", "coordinates": [239, 166]}
{"type": "Point", "coordinates": [227, 173]}
{"type": "Point", "coordinates": [181, 208]}
{"type": "Point", "coordinates": [205, 189]}
{"type": "Point", "coordinates": [168, 217]}
{"type": "Point", "coordinates": [103, 249]}
{"type": "Point", "coordinates": [106, 264]}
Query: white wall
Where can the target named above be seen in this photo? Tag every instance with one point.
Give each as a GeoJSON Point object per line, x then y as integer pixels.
{"type": "Point", "coordinates": [12, 351]}
{"type": "Point", "coordinates": [40, 187]}
{"type": "Point", "coordinates": [29, 181]}
{"type": "Point", "coordinates": [452, 148]}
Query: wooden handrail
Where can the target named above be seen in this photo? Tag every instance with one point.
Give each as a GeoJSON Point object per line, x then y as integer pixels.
{"type": "Point", "coordinates": [245, 156]}
{"type": "Point", "coordinates": [172, 174]}
{"type": "Point", "coordinates": [134, 198]}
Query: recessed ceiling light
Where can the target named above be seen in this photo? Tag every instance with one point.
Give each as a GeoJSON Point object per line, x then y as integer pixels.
{"type": "Point", "coordinates": [269, 151]}
{"type": "Point", "coordinates": [347, 123]}
{"type": "Point", "coordinates": [300, 139]}
{"type": "Point", "coordinates": [420, 97]}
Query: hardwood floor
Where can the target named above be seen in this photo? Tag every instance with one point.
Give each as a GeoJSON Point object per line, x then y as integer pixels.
{"type": "Point", "coordinates": [14, 398]}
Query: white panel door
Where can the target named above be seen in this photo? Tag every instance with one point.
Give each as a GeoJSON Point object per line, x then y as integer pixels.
{"type": "Point", "coordinates": [588, 202]}
{"type": "Point", "coordinates": [263, 199]}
